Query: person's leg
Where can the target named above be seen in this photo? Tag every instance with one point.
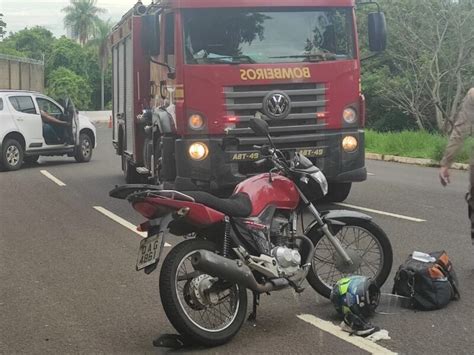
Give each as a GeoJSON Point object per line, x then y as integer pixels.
{"type": "Point", "coordinates": [59, 131]}
{"type": "Point", "coordinates": [49, 134]}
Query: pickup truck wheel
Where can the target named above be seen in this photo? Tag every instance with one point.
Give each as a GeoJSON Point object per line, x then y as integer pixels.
{"type": "Point", "coordinates": [83, 151]}
{"type": "Point", "coordinates": [30, 159]}
{"type": "Point", "coordinates": [12, 155]}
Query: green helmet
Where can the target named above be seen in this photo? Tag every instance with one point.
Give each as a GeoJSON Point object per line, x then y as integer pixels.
{"type": "Point", "coordinates": [358, 295]}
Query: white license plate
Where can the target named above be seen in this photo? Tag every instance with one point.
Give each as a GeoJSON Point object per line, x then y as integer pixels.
{"type": "Point", "coordinates": [149, 251]}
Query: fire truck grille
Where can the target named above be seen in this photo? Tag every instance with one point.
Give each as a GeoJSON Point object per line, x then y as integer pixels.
{"type": "Point", "coordinates": [307, 100]}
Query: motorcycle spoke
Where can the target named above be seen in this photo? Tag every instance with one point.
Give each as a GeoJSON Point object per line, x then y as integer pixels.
{"type": "Point", "coordinates": [189, 276]}
{"type": "Point", "coordinates": [374, 272]}
{"type": "Point", "coordinates": [368, 247]}
{"type": "Point", "coordinates": [198, 308]}
{"type": "Point", "coordinates": [356, 239]}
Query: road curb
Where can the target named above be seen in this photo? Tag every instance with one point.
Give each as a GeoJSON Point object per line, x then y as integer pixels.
{"type": "Point", "coordinates": [412, 161]}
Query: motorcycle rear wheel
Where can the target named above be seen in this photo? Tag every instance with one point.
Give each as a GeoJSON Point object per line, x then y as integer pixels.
{"type": "Point", "coordinates": [206, 323]}
{"type": "Point", "coordinates": [364, 241]}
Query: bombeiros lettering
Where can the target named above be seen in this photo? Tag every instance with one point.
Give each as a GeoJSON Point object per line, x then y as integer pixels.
{"type": "Point", "coordinates": [275, 73]}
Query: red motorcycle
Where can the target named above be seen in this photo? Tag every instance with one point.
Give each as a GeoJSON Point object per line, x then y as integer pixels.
{"type": "Point", "coordinates": [251, 241]}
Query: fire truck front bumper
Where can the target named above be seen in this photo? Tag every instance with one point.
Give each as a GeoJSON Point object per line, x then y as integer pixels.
{"type": "Point", "coordinates": [232, 159]}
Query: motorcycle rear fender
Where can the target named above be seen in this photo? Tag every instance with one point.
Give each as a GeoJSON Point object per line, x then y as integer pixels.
{"type": "Point", "coordinates": [337, 218]}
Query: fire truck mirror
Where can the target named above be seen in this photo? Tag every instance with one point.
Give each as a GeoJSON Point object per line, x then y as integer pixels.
{"type": "Point", "coordinates": [377, 31]}
{"type": "Point", "coordinates": [151, 34]}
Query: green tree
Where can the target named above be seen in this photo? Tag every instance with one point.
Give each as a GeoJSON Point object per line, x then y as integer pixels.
{"type": "Point", "coordinates": [32, 42]}
{"type": "Point", "coordinates": [428, 65]}
{"type": "Point", "coordinates": [65, 83]}
{"type": "Point", "coordinates": [101, 42]}
{"type": "Point", "coordinates": [2, 26]}
{"type": "Point", "coordinates": [68, 54]}
{"type": "Point", "coordinates": [82, 19]}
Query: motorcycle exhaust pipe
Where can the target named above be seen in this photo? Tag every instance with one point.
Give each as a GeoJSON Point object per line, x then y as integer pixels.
{"type": "Point", "coordinates": [233, 271]}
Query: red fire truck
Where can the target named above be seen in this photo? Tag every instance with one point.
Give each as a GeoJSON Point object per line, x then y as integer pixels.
{"type": "Point", "coordinates": [188, 75]}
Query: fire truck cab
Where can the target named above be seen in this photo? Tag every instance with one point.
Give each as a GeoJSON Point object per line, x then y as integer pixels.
{"type": "Point", "coordinates": [188, 75]}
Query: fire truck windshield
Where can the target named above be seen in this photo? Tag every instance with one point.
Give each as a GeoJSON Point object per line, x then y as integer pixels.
{"type": "Point", "coordinates": [234, 36]}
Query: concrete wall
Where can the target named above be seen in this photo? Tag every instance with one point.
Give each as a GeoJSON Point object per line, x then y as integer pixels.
{"type": "Point", "coordinates": [97, 116]}
{"type": "Point", "coordinates": [19, 73]}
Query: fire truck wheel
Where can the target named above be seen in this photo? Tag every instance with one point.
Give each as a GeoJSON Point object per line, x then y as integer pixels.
{"type": "Point", "coordinates": [338, 192]}
{"type": "Point", "coordinates": [131, 175]}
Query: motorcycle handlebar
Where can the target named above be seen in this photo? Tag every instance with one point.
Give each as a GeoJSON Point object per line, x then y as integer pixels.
{"type": "Point", "coordinates": [274, 155]}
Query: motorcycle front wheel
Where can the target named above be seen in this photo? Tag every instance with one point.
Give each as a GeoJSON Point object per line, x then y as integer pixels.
{"type": "Point", "coordinates": [364, 241]}
{"type": "Point", "coordinates": [199, 306]}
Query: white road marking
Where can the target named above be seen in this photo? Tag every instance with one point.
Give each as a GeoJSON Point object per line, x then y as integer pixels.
{"type": "Point", "coordinates": [336, 331]}
{"type": "Point", "coordinates": [122, 221]}
{"type": "Point", "coordinates": [52, 178]}
{"type": "Point", "coordinates": [412, 219]}
{"type": "Point", "coordinates": [371, 174]}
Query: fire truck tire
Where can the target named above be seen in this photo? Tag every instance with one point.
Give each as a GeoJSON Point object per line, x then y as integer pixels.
{"type": "Point", "coordinates": [131, 175]}
{"type": "Point", "coordinates": [338, 192]}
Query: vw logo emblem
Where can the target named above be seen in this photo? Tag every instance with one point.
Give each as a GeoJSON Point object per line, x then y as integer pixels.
{"type": "Point", "coordinates": [276, 105]}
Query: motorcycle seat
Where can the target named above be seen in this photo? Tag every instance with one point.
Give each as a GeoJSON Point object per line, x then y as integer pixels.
{"type": "Point", "coordinates": [237, 205]}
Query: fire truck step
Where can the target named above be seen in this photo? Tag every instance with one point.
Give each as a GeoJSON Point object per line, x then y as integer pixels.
{"type": "Point", "coordinates": [142, 171]}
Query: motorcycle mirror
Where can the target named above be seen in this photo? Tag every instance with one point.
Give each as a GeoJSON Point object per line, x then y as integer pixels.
{"type": "Point", "coordinates": [259, 126]}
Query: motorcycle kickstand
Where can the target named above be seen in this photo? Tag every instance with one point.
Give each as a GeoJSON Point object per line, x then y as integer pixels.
{"type": "Point", "coordinates": [256, 301]}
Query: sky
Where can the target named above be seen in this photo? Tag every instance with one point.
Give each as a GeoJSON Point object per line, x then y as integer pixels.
{"type": "Point", "coordinates": [19, 14]}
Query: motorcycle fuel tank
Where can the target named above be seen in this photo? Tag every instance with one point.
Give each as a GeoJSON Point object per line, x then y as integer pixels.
{"type": "Point", "coordinates": [263, 191]}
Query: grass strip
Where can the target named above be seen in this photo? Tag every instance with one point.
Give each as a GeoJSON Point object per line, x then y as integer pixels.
{"type": "Point", "coordinates": [414, 144]}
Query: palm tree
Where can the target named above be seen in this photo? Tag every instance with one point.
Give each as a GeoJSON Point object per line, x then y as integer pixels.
{"type": "Point", "coordinates": [82, 18]}
{"type": "Point", "coordinates": [100, 40]}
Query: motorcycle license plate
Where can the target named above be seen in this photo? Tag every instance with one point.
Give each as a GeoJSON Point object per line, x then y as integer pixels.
{"type": "Point", "coordinates": [149, 251]}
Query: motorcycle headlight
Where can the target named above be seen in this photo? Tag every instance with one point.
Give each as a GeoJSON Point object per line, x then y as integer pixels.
{"type": "Point", "coordinates": [322, 181]}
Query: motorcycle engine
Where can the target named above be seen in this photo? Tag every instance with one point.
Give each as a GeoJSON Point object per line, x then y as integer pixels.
{"type": "Point", "coordinates": [279, 229]}
{"type": "Point", "coordinates": [288, 260]}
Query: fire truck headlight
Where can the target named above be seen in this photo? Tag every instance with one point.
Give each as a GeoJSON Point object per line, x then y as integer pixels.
{"type": "Point", "coordinates": [349, 115]}
{"type": "Point", "coordinates": [198, 151]}
{"type": "Point", "coordinates": [196, 121]}
{"type": "Point", "coordinates": [349, 144]}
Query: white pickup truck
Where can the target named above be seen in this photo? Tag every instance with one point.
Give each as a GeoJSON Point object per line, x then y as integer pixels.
{"type": "Point", "coordinates": [24, 136]}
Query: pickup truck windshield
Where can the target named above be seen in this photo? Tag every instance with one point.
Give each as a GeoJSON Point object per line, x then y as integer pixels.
{"type": "Point", "coordinates": [235, 36]}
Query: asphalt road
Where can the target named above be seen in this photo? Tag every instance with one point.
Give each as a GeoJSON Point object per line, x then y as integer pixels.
{"type": "Point", "coordinates": [68, 283]}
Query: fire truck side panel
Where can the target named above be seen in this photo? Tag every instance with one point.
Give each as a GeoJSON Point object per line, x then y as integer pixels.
{"type": "Point", "coordinates": [131, 76]}
{"type": "Point", "coordinates": [129, 95]}
{"type": "Point", "coordinates": [114, 93]}
{"type": "Point", "coordinates": [141, 88]}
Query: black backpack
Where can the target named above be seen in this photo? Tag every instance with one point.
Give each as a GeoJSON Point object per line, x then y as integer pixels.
{"type": "Point", "coordinates": [429, 285]}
